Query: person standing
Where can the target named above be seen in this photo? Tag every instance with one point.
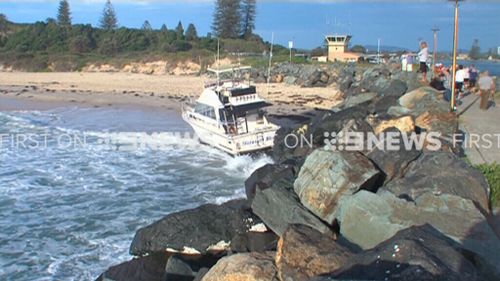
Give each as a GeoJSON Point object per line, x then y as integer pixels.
{"type": "Point", "coordinates": [404, 62]}
{"type": "Point", "coordinates": [466, 78]}
{"type": "Point", "coordinates": [409, 62]}
{"type": "Point", "coordinates": [459, 80]}
{"type": "Point", "coordinates": [486, 89]}
{"type": "Point", "coordinates": [474, 73]}
{"type": "Point", "coordinates": [423, 56]}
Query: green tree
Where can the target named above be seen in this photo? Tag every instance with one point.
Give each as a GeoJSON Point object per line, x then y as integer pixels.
{"type": "Point", "coordinates": [147, 26]}
{"type": "Point", "coordinates": [358, 49]}
{"type": "Point", "coordinates": [227, 18]}
{"type": "Point", "coordinates": [164, 28]}
{"type": "Point", "coordinates": [64, 14]}
{"type": "Point", "coordinates": [475, 51]}
{"type": "Point", "coordinates": [319, 51]}
{"type": "Point", "coordinates": [191, 33]}
{"type": "Point", "coordinates": [3, 23]}
{"type": "Point", "coordinates": [179, 30]}
{"type": "Point", "coordinates": [108, 20]}
{"type": "Point", "coordinates": [248, 14]}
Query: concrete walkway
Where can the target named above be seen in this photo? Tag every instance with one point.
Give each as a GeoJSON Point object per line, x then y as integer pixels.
{"type": "Point", "coordinates": [475, 122]}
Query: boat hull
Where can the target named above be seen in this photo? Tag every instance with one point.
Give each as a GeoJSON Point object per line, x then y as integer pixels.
{"type": "Point", "coordinates": [233, 144]}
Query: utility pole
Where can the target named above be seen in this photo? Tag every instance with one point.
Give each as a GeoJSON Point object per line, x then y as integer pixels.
{"type": "Point", "coordinates": [434, 53]}
{"type": "Point", "coordinates": [454, 67]}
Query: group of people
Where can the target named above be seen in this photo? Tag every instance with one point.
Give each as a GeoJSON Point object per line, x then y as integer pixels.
{"type": "Point", "coordinates": [467, 79]}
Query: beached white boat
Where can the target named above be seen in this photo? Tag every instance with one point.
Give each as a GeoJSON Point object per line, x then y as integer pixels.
{"type": "Point", "coordinates": [228, 115]}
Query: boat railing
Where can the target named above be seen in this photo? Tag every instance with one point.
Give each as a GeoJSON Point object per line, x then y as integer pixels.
{"type": "Point", "coordinates": [211, 84]}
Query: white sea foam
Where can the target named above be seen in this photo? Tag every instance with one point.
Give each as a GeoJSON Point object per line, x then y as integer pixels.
{"type": "Point", "coordinates": [82, 206]}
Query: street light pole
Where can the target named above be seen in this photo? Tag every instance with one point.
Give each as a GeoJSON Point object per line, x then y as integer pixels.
{"type": "Point", "coordinates": [434, 53]}
{"type": "Point", "coordinates": [454, 66]}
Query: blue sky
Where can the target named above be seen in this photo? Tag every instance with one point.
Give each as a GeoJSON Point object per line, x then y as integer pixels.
{"type": "Point", "coordinates": [397, 23]}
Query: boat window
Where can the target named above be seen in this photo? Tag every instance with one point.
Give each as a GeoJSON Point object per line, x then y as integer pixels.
{"type": "Point", "coordinates": [205, 110]}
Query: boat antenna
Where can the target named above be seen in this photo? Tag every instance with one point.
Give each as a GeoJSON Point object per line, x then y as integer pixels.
{"type": "Point", "coordinates": [270, 62]}
{"type": "Point", "coordinates": [218, 61]}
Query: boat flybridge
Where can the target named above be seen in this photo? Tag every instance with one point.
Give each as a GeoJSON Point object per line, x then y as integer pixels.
{"type": "Point", "coordinates": [228, 115]}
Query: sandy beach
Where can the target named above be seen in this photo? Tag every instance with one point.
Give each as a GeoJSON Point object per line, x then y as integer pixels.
{"type": "Point", "coordinates": [105, 89]}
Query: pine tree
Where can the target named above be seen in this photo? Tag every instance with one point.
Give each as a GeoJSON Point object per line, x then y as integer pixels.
{"type": "Point", "coordinates": [147, 26]}
{"type": "Point", "coordinates": [179, 30]}
{"type": "Point", "coordinates": [108, 19]}
{"type": "Point", "coordinates": [164, 28]}
{"type": "Point", "coordinates": [248, 14]}
{"type": "Point", "coordinates": [227, 18]}
{"type": "Point", "coordinates": [64, 14]}
{"type": "Point", "coordinates": [191, 33]}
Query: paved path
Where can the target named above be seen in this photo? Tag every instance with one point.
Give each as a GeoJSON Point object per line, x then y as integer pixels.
{"type": "Point", "coordinates": [474, 121]}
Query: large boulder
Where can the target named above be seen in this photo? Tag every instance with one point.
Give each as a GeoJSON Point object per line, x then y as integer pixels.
{"type": "Point", "coordinates": [424, 99]}
{"type": "Point", "coordinates": [445, 123]}
{"type": "Point", "coordinates": [303, 252]}
{"type": "Point", "coordinates": [430, 110]}
{"type": "Point", "coordinates": [396, 88]}
{"type": "Point", "coordinates": [414, 254]}
{"type": "Point", "coordinates": [288, 146]}
{"type": "Point", "coordinates": [354, 100]}
{"type": "Point", "coordinates": [206, 229]}
{"type": "Point", "coordinates": [264, 177]}
{"type": "Point", "coordinates": [367, 219]}
{"type": "Point", "coordinates": [279, 207]}
{"type": "Point", "coordinates": [149, 268]}
{"type": "Point", "coordinates": [442, 173]}
{"type": "Point", "coordinates": [334, 122]}
{"type": "Point", "coordinates": [329, 175]}
{"type": "Point", "coordinates": [244, 267]}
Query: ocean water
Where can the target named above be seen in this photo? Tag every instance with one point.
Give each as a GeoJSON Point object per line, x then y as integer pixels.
{"type": "Point", "coordinates": [492, 66]}
{"type": "Point", "coordinates": [68, 212]}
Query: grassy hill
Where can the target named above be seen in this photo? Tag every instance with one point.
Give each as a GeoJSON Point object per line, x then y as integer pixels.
{"type": "Point", "coordinates": [46, 46]}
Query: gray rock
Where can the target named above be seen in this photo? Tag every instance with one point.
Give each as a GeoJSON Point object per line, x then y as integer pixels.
{"type": "Point", "coordinates": [424, 99]}
{"type": "Point", "coordinates": [354, 100]}
{"type": "Point", "coordinates": [187, 268]}
{"type": "Point", "coordinates": [430, 110]}
{"type": "Point", "coordinates": [393, 164]}
{"type": "Point", "coordinates": [414, 254]}
{"type": "Point", "coordinates": [396, 88]}
{"type": "Point", "coordinates": [304, 252]}
{"type": "Point", "coordinates": [290, 80]}
{"type": "Point", "coordinates": [197, 229]}
{"type": "Point", "coordinates": [368, 219]}
{"type": "Point", "coordinates": [279, 207]}
{"type": "Point", "coordinates": [149, 268]}
{"type": "Point", "coordinates": [442, 173]}
{"type": "Point", "coordinates": [398, 111]}
{"type": "Point", "coordinates": [254, 242]}
{"type": "Point", "coordinates": [328, 175]}
{"type": "Point", "coordinates": [265, 176]}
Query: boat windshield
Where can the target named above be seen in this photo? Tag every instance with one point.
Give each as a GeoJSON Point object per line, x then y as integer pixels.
{"type": "Point", "coordinates": [205, 110]}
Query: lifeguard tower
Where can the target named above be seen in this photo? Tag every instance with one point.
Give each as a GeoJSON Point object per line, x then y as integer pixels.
{"type": "Point", "coordinates": [338, 48]}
